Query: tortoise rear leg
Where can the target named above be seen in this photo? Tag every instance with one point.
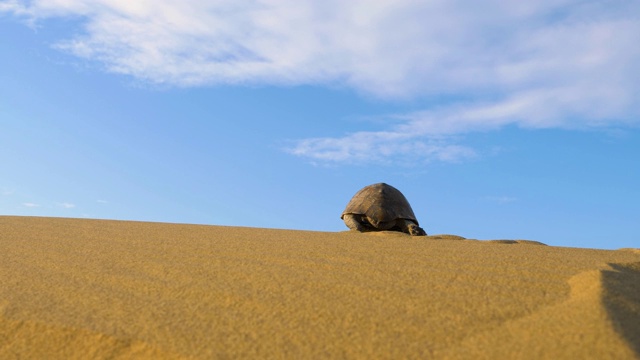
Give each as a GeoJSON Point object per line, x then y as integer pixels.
{"type": "Point", "coordinates": [353, 222]}
{"type": "Point", "coordinates": [410, 227]}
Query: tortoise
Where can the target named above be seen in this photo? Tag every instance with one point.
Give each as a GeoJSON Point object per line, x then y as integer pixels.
{"type": "Point", "coordinates": [381, 207]}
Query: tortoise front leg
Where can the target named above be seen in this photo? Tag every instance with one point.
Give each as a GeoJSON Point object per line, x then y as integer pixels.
{"type": "Point", "coordinates": [353, 222]}
{"type": "Point", "coordinates": [410, 227]}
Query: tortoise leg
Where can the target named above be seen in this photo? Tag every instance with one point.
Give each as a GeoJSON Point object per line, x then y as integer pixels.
{"type": "Point", "coordinates": [410, 227]}
{"type": "Point", "coordinates": [353, 223]}
{"type": "Point", "coordinates": [381, 225]}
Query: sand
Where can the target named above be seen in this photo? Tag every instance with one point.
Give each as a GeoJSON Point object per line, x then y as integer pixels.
{"type": "Point", "coordinates": [83, 289]}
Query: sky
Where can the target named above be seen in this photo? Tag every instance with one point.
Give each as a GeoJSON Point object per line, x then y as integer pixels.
{"type": "Point", "coordinates": [500, 120]}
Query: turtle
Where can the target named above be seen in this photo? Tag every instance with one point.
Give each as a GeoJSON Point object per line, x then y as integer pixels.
{"type": "Point", "coordinates": [381, 207]}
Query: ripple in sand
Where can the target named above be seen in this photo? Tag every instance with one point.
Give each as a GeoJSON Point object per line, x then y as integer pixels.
{"type": "Point", "coordinates": [636, 251]}
{"type": "Point", "coordinates": [526, 242]}
{"type": "Point", "coordinates": [446, 237]}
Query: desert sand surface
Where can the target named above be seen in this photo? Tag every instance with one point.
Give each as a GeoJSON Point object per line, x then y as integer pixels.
{"type": "Point", "coordinates": [98, 289]}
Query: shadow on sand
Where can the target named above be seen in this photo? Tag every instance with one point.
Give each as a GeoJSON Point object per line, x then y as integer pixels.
{"type": "Point", "coordinates": [621, 298]}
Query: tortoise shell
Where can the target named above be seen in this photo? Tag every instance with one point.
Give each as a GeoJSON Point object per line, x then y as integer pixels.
{"type": "Point", "coordinates": [381, 202]}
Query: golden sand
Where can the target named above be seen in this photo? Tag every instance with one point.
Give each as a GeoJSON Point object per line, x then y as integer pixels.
{"type": "Point", "coordinates": [82, 289]}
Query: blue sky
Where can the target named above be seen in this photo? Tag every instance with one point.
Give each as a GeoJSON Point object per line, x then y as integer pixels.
{"type": "Point", "coordinates": [514, 121]}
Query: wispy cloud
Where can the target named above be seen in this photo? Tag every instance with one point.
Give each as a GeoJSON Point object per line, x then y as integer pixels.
{"type": "Point", "coordinates": [30, 205]}
{"type": "Point", "coordinates": [501, 199]}
{"type": "Point", "coordinates": [539, 64]}
{"type": "Point", "coordinates": [102, 201]}
{"type": "Point", "coordinates": [7, 192]}
{"type": "Point", "coordinates": [66, 205]}
{"type": "Point", "coordinates": [380, 148]}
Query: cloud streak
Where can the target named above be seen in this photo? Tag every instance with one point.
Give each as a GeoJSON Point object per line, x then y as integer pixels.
{"type": "Point", "coordinates": [543, 64]}
{"type": "Point", "coordinates": [501, 199]}
{"type": "Point", "coordinates": [381, 147]}
{"type": "Point", "coordinates": [7, 192]}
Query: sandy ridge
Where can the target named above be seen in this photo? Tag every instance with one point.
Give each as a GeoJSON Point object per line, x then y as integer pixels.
{"type": "Point", "coordinates": [114, 289]}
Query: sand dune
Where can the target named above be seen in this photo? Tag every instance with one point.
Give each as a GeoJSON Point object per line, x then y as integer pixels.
{"type": "Point", "coordinates": [78, 289]}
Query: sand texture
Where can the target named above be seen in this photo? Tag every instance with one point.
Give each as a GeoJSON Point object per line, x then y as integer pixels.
{"type": "Point", "coordinates": [95, 289]}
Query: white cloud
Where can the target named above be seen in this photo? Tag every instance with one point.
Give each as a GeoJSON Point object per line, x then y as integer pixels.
{"type": "Point", "coordinates": [30, 205]}
{"type": "Point", "coordinates": [540, 64]}
{"type": "Point", "coordinates": [102, 201]}
{"type": "Point", "coordinates": [67, 205]}
{"type": "Point", "coordinates": [387, 47]}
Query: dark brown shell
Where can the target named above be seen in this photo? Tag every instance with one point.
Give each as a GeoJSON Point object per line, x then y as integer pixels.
{"type": "Point", "coordinates": [381, 202]}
